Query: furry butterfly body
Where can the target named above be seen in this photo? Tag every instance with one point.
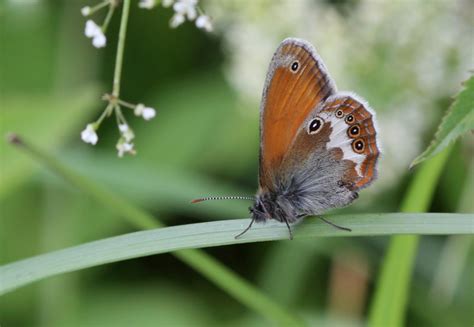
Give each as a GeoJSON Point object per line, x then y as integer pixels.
{"type": "Point", "coordinates": [318, 146]}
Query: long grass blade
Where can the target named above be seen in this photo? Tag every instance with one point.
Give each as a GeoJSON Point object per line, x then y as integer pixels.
{"type": "Point", "coordinates": [212, 234]}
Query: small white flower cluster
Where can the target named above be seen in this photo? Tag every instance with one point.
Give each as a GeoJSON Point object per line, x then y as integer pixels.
{"type": "Point", "coordinates": [124, 144]}
{"type": "Point", "coordinates": [184, 9]}
{"type": "Point", "coordinates": [94, 31]}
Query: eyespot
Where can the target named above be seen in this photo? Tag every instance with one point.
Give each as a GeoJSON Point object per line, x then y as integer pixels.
{"type": "Point", "coordinates": [295, 65]}
{"type": "Point", "coordinates": [349, 119]}
{"type": "Point", "coordinates": [353, 131]}
{"type": "Point", "coordinates": [358, 146]}
{"type": "Point", "coordinates": [339, 114]}
{"type": "Point", "coordinates": [314, 125]}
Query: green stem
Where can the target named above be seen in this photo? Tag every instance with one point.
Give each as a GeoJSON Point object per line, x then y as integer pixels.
{"type": "Point", "coordinates": [108, 17]}
{"type": "Point", "coordinates": [391, 295]}
{"type": "Point", "coordinates": [101, 5]}
{"type": "Point", "coordinates": [105, 113]}
{"type": "Point", "coordinates": [126, 104]}
{"type": "Point", "coordinates": [120, 48]}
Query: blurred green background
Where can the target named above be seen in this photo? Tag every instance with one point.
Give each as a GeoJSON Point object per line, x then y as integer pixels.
{"type": "Point", "coordinates": [407, 57]}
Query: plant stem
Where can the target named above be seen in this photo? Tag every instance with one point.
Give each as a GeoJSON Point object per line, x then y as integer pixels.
{"type": "Point", "coordinates": [108, 17]}
{"type": "Point", "coordinates": [120, 48]}
{"type": "Point", "coordinates": [393, 285]}
{"type": "Point", "coordinates": [101, 5]}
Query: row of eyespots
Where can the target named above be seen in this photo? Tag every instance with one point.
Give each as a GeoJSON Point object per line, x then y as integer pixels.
{"type": "Point", "coordinates": [349, 118]}
{"type": "Point", "coordinates": [353, 131]}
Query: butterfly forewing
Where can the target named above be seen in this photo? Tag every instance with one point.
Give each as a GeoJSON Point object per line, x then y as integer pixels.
{"type": "Point", "coordinates": [297, 81]}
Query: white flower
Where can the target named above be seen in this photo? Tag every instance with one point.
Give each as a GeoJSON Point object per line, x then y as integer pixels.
{"type": "Point", "coordinates": [186, 7]}
{"type": "Point", "coordinates": [94, 31]}
{"type": "Point", "coordinates": [146, 4]}
{"type": "Point", "coordinates": [91, 28]}
{"type": "Point", "coordinates": [204, 22]}
{"type": "Point", "coordinates": [89, 135]}
{"type": "Point", "coordinates": [176, 20]}
{"type": "Point", "coordinates": [126, 132]}
{"type": "Point", "coordinates": [124, 147]}
{"type": "Point", "coordinates": [85, 11]}
{"type": "Point", "coordinates": [167, 3]}
{"type": "Point", "coordinates": [146, 112]}
{"type": "Point", "coordinates": [99, 41]}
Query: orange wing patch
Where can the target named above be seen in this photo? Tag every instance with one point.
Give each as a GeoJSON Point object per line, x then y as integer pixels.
{"type": "Point", "coordinates": [288, 97]}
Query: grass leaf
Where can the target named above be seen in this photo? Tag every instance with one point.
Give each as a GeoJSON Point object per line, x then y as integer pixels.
{"type": "Point", "coordinates": [458, 120]}
{"type": "Point", "coordinates": [391, 294]}
{"type": "Point", "coordinates": [220, 233]}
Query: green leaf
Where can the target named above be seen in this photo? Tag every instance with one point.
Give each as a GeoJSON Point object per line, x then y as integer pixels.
{"type": "Point", "coordinates": [458, 120]}
{"type": "Point", "coordinates": [192, 236]}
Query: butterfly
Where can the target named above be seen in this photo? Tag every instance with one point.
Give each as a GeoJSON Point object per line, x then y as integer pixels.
{"type": "Point", "coordinates": [318, 146]}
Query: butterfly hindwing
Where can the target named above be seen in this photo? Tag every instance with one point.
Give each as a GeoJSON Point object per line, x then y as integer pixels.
{"type": "Point", "coordinates": [354, 131]}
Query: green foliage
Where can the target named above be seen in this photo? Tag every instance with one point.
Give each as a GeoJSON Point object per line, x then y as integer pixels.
{"type": "Point", "coordinates": [49, 120]}
{"type": "Point", "coordinates": [393, 286]}
{"type": "Point", "coordinates": [204, 141]}
{"type": "Point", "coordinates": [458, 120]}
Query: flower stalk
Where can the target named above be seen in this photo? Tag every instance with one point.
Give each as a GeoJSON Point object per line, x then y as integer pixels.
{"type": "Point", "coordinates": [120, 48]}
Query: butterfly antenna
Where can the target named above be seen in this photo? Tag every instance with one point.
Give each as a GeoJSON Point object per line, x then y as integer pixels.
{"type": "Point", "coordinates": [237, 197]}
{"type": "Point", "coordinates": [336, 226]}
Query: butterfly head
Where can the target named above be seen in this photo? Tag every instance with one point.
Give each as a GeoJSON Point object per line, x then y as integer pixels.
{"type": "Point", "coordinates": [259, 209]}
{"type": "Point", "coordinates": [274, 205]}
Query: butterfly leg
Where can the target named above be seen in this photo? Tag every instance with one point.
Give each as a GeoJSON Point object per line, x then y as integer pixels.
{"type": "Point", "coordinates": [334, 225]}
{"type": "Point", "coordinates": [245, 230]}
{"type": "Point", "coordinates": [289, 228]}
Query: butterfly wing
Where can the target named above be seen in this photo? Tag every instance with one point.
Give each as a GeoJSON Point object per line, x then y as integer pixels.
{"type": "Point", "coordinates": [333, 155]}
{"type": "Point", "coordinates": [354, 132]}
{"type": "Point", "coordinates": [297, 81]}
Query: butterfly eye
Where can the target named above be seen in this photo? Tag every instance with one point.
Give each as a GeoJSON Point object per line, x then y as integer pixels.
{"type": "Point", "coordinates": [358, 146]}
{"type": "Point", "coordinates": [339, 113]}
{"type": "Point", "coordinates": [294, 66]}
{"type": "Point", "coordinates": [349, 119]}
{"type": "Point", "coordinates": [354, 131]}
{"type": "Point", "coordinates": [314, 125]}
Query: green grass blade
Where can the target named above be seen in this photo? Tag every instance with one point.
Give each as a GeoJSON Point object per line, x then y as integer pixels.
{"type": "Point", "coordinates": [214, 271]}
{"type": "Point", "coordinates": [32, 116]}
{"type": "Point", "coordinates": [458, 120]}
{"type": "Point", "coordinates": [391, 294]}
{"type": "Point", "coordinates": [217, 233]}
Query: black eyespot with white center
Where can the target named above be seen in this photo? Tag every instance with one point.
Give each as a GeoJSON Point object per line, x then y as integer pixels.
{"type": "Point", "coordinates": [349, 119]}
{"type": "Point", "coordinates": [295, 65]}
{"type": "Point", "coordinates": [339, 113]}
{"type": "Point", "coordinates": [358, 146]}
{"type": "Point", "coordinates": [315, 125]}
{"type": "Point", "coordinates": [354, 131]}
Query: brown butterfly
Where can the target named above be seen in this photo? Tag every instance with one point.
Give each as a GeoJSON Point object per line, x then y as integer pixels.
{"type": "Point", "coordinates": [318, 146]}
